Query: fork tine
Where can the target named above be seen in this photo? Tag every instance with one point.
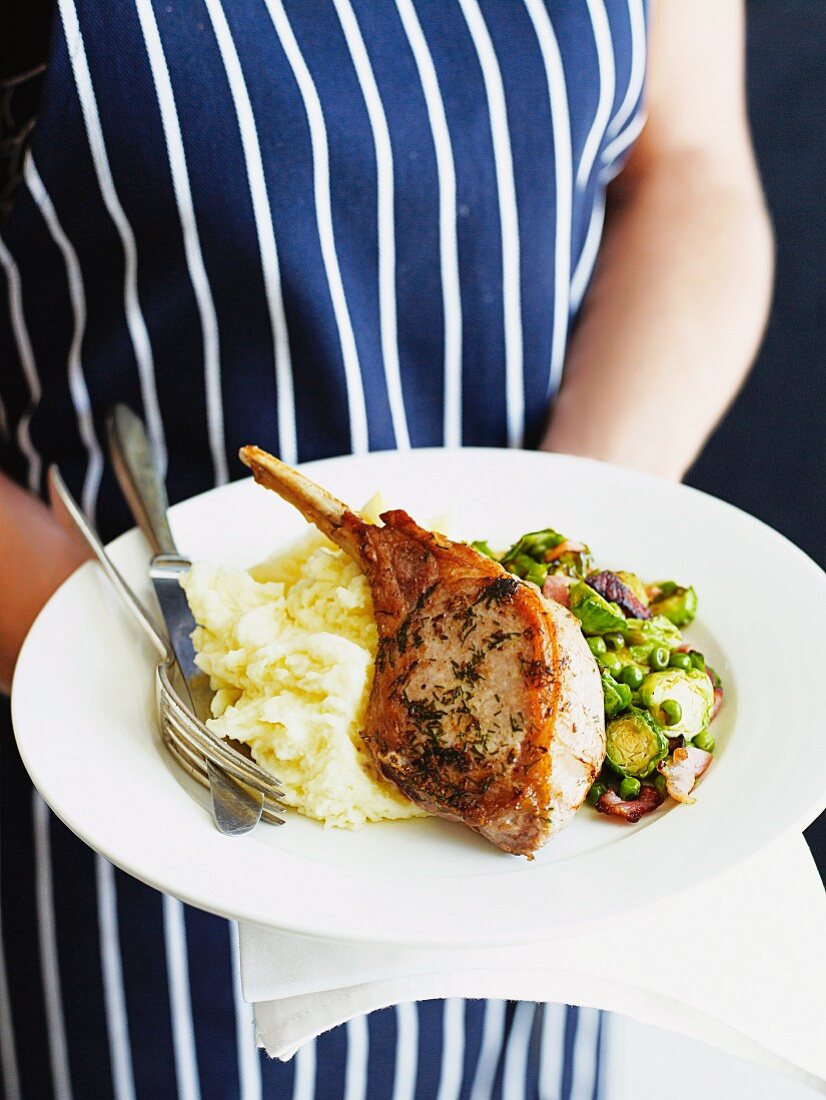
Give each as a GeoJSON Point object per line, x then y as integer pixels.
{"type": "Point", "coordinates": [224, 757]}
{"type": "Point", "coordinates": [193, 765]}
{"type": "Point", "coordinates": [221, 755]}
{"type": "Point", "coordinates": [199, 738]}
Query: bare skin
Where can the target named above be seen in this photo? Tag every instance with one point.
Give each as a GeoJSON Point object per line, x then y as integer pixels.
{"type": "Point", "coordinates": [671, 322]}
{"type": "Point", "coordinates": [36, 555]}
{"type": "Point", "coordinates": [682, 288]}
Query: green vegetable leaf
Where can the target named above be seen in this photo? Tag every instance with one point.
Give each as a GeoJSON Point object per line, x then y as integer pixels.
{"type": "Point", "coordinates": [616, 696]}
{"type": "Point", "coordinates": [596, 614]}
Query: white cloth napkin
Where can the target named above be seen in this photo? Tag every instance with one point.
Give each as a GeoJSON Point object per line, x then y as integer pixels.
{"type": "Point", "coordinates": [739, 963]}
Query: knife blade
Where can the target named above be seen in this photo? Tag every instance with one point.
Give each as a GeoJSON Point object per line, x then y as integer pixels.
{"type": "Point", "coordinates": [236, 808]}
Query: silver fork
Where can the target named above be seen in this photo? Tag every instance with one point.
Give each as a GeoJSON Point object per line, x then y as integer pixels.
{"type": "Point", "coordinates": [188, 740]}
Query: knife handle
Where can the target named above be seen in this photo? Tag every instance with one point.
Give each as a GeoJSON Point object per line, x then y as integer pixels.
{"type": "Point", "coordinates": [139, 477]}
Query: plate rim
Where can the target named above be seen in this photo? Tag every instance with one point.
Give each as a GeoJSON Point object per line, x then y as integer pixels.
{"type": "Point", "coordinates": [806, 814]}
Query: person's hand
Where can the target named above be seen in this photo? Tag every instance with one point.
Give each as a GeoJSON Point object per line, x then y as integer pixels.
{"type": "Point", "coordinates": [37, 553]}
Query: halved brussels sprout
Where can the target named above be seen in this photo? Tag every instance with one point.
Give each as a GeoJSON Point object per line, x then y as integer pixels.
{"type": "Point", "coordinates": [678, 605]}
{"type": "Point", "coordinates": [596, 614]}
{"type": "Point", "coordinates": [634, 744]}
{"type": "Point", "coordinates": [527, 568]}
{"type": "Point", "coordinates": [651, 632]}
{"type": "Point", "coordinates": [616, 696]}
{"type": "Point", "coordinates": [571, 559]}
{"type": "Point", "coordinates": [533, 545]}
{"type": "Point", "coordinates": [691, 689]}
{"type": "Point", "coordinates": [632, 581]}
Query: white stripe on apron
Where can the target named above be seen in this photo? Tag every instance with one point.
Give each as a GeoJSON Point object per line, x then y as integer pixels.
{"type": "Point", "coordinates": [180, 1005]}
{"type": "Point", "coordinates": [77, 380]}
{"type": "Point", "coordinates": [386, 219]}
{"type": "Point", "coordinates": [49, 963]}
{"type": "Point", "coordinates": [192, 243]}
{"type": "Point", "coordinates": [116, 1019]}
{"type": "Point", "coordinates": [453, 1049]}
{"type": "Point", "coordinates": [508, 217]}
{"type": "Point", "coordinates": [607, 87]}
{"type": "Point", "coordinates": [448, 243]}
{"type": "Point", "coordinates": [558, 95]}
{"type": "Point", "coordinates": [134, 317]}
{"type": "Point", "coordinates": [24, 350]}
{"type": "Point", "coordinates": [324, 215]}
{"type": "Point", "coordinates": [270, 271]}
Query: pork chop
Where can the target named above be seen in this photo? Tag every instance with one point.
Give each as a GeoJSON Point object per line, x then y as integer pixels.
{"type": "Point", "coordinates": [486, 704]}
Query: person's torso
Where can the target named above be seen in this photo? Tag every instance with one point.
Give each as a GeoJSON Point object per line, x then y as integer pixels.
{"type": "Point", "coordinates": [323, 227]}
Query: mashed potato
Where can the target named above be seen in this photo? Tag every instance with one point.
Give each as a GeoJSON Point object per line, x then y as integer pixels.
{"type": "Point", "coordinates": [289, 647]}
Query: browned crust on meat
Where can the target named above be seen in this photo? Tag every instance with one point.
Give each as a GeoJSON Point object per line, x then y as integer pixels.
{"type": "Point", "coordinates": [486, 705]}
{"type": "Point", "coordinates": [436, 724]}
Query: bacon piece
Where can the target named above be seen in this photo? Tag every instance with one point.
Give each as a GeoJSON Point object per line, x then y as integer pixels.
{"type": "Point", "coordinates": [610, 803]}
{"type": "Point", "coordinates": [611, 588]}
{"type": "Point", "coordinates": [683, 770]}
{"type": "Point", "coordinates": [558, 589]}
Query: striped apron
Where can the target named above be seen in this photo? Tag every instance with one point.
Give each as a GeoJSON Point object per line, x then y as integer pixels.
{"type": "Point", "coordinates": [326, 226]}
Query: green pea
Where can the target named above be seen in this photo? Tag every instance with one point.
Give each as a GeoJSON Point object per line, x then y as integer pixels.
{"type": "Point", "coordinates": [680, 660]}
{"type": "Point", "coordinates": [615, 640]}
{"type": "Point", "coordinates": [596, 792]}
{"type": "Point", "coordinates": [632, 676]}
{"type": "Point", "coordinates": [610, 661]}
{"type": "Point", "coordinates": [658, 658]}
{"type": "Point", "coordinates": [660, 784]}
{"type": "Point", "coordinates": [629, 788]}
{"type": "Point", "coordinates": [705, 741]}
{"type": "Point", "coordinates": [672, 712]}
{"type": "Point", "coordinates": [597, 645]}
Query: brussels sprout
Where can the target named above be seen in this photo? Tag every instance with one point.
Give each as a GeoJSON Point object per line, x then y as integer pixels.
{"type": "Point", "coordinates": [678, 605]}
{"type": "Point", "coordinates": [596, 615]}
{"type": "Point", "coordinates": [651, 632]}
{"type": "Point", "coordinates": [573, 562]}
{"type": "Point", "coordinates": [634, 744]}
{"type": "Point", "coordinates": [690, 688]}
{"type": "Point", "coordinates": [528, 569]}
{"type": "Point", "coordinates": [616, 696]}
{"type": "Point", "coordinates": [483, 547]}
{"type": "Point", "coordinates": [632, 581]}
{"type": "Point", "coordinates": [533, 545]}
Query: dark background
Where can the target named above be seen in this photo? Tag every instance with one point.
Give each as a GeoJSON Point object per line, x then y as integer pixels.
{"type": "Point", "coordinates": [769, 455]}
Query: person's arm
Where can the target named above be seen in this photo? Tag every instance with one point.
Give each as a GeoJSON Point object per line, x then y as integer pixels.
{"type": "Point", "coordinates": [682, 287]}
{"type": "Point", "coordinates": [36, 555]}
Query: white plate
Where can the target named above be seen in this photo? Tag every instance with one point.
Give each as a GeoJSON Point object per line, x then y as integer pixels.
{"type": "Point", "coordinates": [82, 711]}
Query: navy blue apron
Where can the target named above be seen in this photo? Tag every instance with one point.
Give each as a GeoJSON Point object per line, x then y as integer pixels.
{"type": "Point", "coordinates": [325, 226]}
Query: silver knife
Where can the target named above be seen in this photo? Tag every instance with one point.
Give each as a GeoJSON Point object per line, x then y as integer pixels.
{"type": "Point", "coordinates": [236, 808]}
